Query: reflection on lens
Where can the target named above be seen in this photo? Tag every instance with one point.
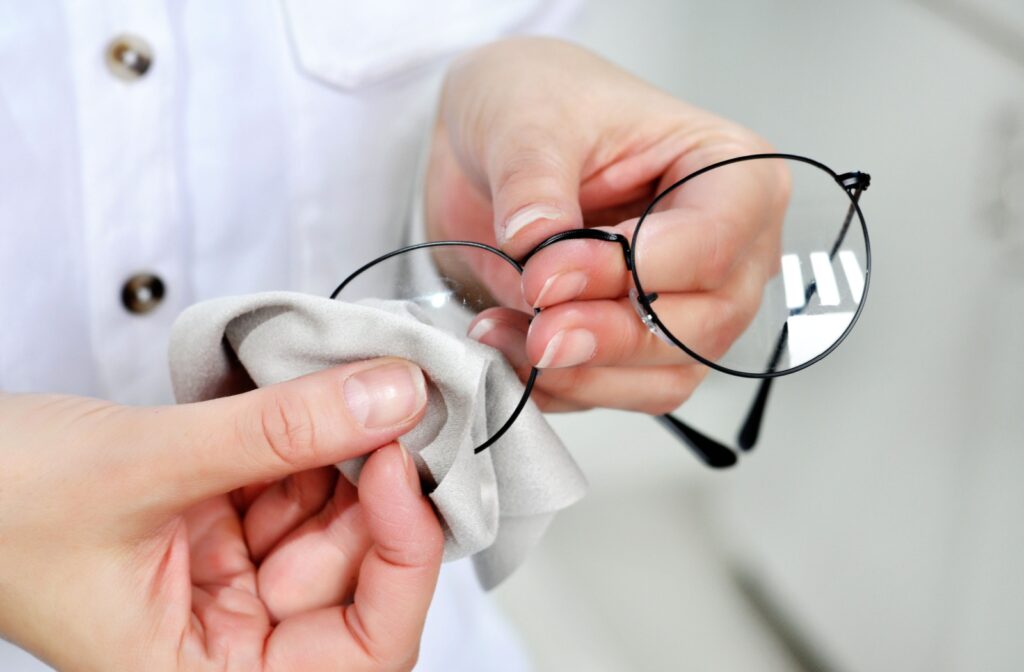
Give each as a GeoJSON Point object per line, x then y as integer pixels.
{"type": "Point", "coordinates": [818, 271]}
{"type": "Point", "coordinates": [434, 280]}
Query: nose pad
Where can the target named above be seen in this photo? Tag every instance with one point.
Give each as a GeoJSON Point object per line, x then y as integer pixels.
{"type": "Point", "coordinates": [646, 317]}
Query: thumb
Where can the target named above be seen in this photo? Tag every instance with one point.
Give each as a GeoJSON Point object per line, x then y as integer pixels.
{"type": "Point", "coordinates": [399, 574]}
{"type": "Point", "coordinates": [213, 447]}
{"type": "Point", "coordinates": [534, 182]}
{"type": "Point", "coordinates": [382, 626]}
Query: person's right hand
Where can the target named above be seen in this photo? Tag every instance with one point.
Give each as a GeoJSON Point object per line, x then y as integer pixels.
{"type": "Point", "coordinates": [535, 137]}
{"type": "Point", "coordinates": [215, 535]}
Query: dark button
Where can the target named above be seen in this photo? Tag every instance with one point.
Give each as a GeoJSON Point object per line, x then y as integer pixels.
{"type": "Point", "coordinates": [129, 57]}
{"type": "Point", "coordinates": [142, 293]}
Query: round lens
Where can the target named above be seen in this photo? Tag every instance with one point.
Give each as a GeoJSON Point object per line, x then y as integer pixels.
{"type": "Point", "coordinates": [427, 277]}
{"type": "Point", "coordinates": [774, 269]}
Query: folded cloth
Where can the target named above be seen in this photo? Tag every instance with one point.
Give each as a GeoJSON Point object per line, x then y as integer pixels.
{"type": "Point", "coordinates": [494, 505]}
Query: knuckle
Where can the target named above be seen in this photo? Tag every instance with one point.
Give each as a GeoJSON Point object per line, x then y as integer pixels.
{"type": "Point", "coordinates": [739, 139]}
{"type": "Point", "coordinates": [532, 157]}
{"type": "Point", "coordinates": [632, 340]}
{"type": "Point", "coordinates": [382, 657]}
{"type": "Point", "coordinates": [287, 428]}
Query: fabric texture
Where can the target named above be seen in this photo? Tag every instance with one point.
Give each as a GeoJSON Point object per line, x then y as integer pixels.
{"type": "Point", "coordinates": [493, 506]}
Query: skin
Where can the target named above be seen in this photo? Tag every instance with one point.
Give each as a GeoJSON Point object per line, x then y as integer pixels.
{"type": "Point", "coordinates": [542, 127]}
{"type": "Point", "coordinates": [214, 536]}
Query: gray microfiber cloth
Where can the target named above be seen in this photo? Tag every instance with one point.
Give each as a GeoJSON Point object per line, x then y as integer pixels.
{"type": "Point", "coordinates": [495, 505]}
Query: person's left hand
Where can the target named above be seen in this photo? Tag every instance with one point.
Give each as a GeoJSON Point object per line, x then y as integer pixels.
{"type": "Point", "coordinates": [535, 137]}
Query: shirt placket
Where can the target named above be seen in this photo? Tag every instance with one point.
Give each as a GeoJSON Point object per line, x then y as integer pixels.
{"type": "Point", "coordinates": [124, 61]}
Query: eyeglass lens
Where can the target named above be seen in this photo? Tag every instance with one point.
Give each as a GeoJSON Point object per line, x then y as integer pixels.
{"type": "Point", "coordinates": [800, 271]}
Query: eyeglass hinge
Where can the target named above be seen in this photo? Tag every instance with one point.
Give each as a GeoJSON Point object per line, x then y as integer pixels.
{"type": "Point", "coordinates": [855, 180]}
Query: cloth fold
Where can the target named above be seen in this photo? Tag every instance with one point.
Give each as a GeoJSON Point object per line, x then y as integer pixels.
{"type": "Point", "coordinates": [494, 506]}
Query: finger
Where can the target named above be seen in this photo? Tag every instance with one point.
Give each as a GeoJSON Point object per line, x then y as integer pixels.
{"type": "Point", "coordinates": [644, 389]}
{"type": "Point", "coordinates": [505, 330]}
{"type": "Point", "coordinates": [677, 252]}
{"type": "Point", "coordinates": [705, 226]}
{"type": "Point", "coordinates": [398, 576]}
{"type": "Point", "coordinates": [284, 506]}
{"type": "Point", "coordinates": [213, 447]}
{"type": "Point", "coordinates": [575, 270]}
{"type": "Point", "coordinates": [693, 244]}
{"type": "Point", "coordinates": [382, 628]}
{"type": "Point", "coordinates": [609, 333]}
{"type": "Point", "coordinates": [550, 403]}
{"type": "Point", "coordinates": [498, 328]}
{"type": "Point", "coordinates": [229, 620]}
{"type": "Point", "coordinates": [316, 565]}
{"type": "Point", "coordinates": [534, 177]}
{"type": "Point", "coordinates": [218, 555]}
{"type": "Point", "coordinates": [650, 389]}
{"type": "Point", "coordinates": [243, 497]}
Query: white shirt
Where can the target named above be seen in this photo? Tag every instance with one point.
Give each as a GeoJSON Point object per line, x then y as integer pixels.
{"type": "Point", "coordinates": [269, 145]}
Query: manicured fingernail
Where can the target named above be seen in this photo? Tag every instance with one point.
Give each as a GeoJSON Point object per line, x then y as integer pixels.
{"type": "Point", "coordinates": [561, 287]}
{"type": "Point", "coordinates": [568, 347]}
{"type": "Point", "coordinates": [528, 215]}
{"type": "Point", "coordinates": [386, 395]}
{"type": "Point", "coordinates": [481, 328]}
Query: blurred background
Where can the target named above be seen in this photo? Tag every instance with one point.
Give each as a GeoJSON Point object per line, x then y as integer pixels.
{"type": "Point", "coordinates": [878, 524]}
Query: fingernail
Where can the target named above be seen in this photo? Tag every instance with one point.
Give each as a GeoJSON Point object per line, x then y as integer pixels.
{"type": "Point", "coordinates": [410, 470]}
{"type": "Point", "coordinates": [568, 347]}
{"type": "Point", "coordinates": [561, 287]}
{"type": "Point", "coordinates": [386, 394]}
{"type": "Point", "coordinates": [481, 328]}
{"type": "Point", "coordinates": [504, 337]}
{"type": "Point", "coordinates": [528, 215]}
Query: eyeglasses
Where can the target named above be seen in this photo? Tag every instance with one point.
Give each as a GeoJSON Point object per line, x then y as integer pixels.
{"type": "Point", "coordinates": [808, 306]}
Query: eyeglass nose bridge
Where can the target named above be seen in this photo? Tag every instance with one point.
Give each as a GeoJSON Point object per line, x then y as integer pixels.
{"type": "Point", "coordinates": [586, 234]}
{"type": "Point", "coordinates": [642, 306]}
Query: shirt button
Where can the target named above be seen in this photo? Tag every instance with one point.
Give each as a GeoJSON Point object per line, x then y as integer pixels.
{"type": "Point", "coordinates": [129, 57]}
{"type": "Point", "coordinates": [142, 293]}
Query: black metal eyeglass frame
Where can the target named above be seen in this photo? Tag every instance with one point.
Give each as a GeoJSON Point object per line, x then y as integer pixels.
{"type": "Point", "coordinates": [710, 451]}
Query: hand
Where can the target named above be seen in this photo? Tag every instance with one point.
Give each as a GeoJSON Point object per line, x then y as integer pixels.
{"type": "Point", "coordinates": [537, 136]}
{"type": "Point", "coordinates": [120, 548]}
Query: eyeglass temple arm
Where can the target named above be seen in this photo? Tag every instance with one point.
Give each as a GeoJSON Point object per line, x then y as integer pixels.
{"type": "Point", "coordinates": [750, 430]}
{"type": "Point", "coordinates": [710, 452]}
